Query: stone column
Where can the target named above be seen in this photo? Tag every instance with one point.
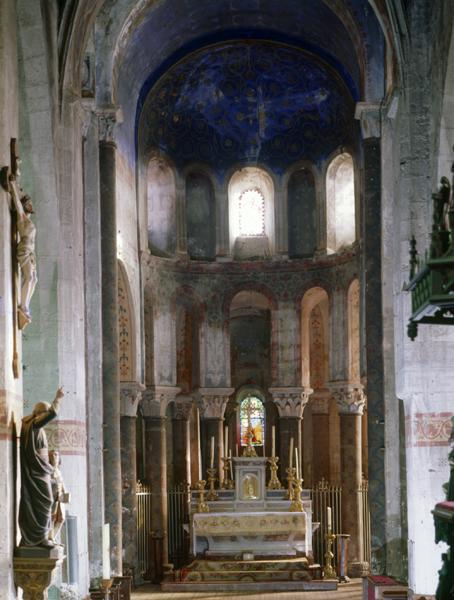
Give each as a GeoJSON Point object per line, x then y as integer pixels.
{"type": "Point", "coordinates": [110, 372]}
{"type": "Point", "coordinates": [180, 201]}
{"type": "Point", "coordinates": [212, 403]}
{"type": "Point", "coordinates": [290, 402]}
{"type": "Point", "coordinates": [130, 396]}
{"type": "Point", "coordinates": [154, 404]}
{"type": "Point", "coordinates": [222, 225]}
{"type": "Point", "coordinates": [181, 439]}
{"type": "Point", "coordinates": [351, 400]}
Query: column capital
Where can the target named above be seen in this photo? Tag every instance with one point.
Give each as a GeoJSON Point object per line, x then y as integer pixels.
{"type": "Point", "coordinates": [369, 115]}
{"type": "Point", "coordinates": [182, 407]}
{"type": "Point", "coordinates": [108, 118]}
{"type": "Point", "coordinates": [350, 397]}
{"type": "Point", "coordinates": [290, 401]}
{"type": "Point", "coordinates": [319, 402]}
{"type": "Point", "coordinates": [156, 398]}
{"type": "Point", "coordinates": [130, 396]}
{"type": "Point", "coordinates": [212, 402]}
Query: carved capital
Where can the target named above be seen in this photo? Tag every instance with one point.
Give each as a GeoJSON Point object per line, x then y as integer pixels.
{"type": "Point", "coordinates": [108, 118]}
{"type": "Point", "coordinates": [35, 574]}
{"type": "Point", "coordinates": [182, 407]}
{"type": "Point", "coordinates": [155, 400]}
{"type": "Point", "coordinates": [319, 402]}
{"type": "Point", "coordinates": [350, 398]}
{"type": "Point", "coordinates": [212, 402]}
{"type": "Point", "coordinates": [290, 401]}
{"type": "Point", "coordinates": [130, 396]}
{"type": "Point", "coordinates": [368, 113]}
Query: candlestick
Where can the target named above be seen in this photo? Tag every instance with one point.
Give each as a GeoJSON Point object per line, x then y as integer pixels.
{"type": "Point", "coordinates": [329, 572]}
{"type": "Point", "coordinates": [106, 551]}
{"type": "Point", "coordinates": [274, 483]}
{"type": "Point", "coordinates": [226, 440]}
{"type": "Point", "coordinates": [231, 465]}
{"type": "Point", "coordinates": [202, 506]}
{"type": "Point", "coordinates": [227, 483]}
{"type": "Point", "coordinates": [290, 458]}
{"type": "Point", "coordinates": [212, 453]}
{"type": "Point", "coordinates": [290, 479]}
{"type": "Point", "coordinates": [212, 494]}
{"type": "Point", "coordinates": [297, 503]}
{"type": "Point", "coordinates": [273, 441]}
{"type": "Point", "coordinates": [236, 450]}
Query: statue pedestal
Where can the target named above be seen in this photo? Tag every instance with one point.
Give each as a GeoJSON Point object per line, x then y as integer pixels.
{"type": "Point", "coordinates": [34, 569]}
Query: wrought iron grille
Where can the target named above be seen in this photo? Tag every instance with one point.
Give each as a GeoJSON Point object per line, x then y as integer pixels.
{"type": "Point", "coordinates": [143, 492]}
{"type": "Point", "coordinates": [324, 495]}
{"type": "Point", "coordinates": [178, 515]}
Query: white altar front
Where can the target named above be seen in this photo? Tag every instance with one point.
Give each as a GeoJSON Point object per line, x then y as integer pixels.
{"type": "Point", "coordinates": [251, 520]}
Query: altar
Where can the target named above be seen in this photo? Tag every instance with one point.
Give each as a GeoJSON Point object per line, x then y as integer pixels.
{"type": "Point", "coordinates": [251, 520]}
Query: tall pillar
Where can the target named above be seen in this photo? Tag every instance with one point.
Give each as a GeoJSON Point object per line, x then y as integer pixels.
{"type": "Point", "coordinates": [290, 402]}
{"type": "Point", "coordinates": [212, 403]}
{"type": "Point", "coordinates": [110, 352]}
{"type": "Point", "coordinates": [319, 407]}
{"type": "Point", "coordinates": [130, 396]}
{"type": "Point", "coordinates": [154, 404]}
{"type": "Point", "coordinates": [181, 241]}
{"type": "Point", "coordinates": [182, 410]}
{"type": "Point", "coordinates": [351, 400]}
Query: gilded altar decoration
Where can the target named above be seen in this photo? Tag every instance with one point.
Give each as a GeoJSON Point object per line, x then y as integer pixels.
{"type": "Point", "coordinates": [249, 523]}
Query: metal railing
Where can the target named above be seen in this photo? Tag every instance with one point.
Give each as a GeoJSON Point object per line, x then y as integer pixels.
{"type": "Point", "coordinates": [178, 515]}
{"type": "Point", "coordinates": [365, 513]}
{"type": "Point", "coordinates": [324, 495]}
{"type": "Point", "coordinates": [143, 492]}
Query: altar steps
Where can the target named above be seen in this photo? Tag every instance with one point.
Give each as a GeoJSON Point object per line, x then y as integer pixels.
{"type": "Point", "coordinates": [239, 575]}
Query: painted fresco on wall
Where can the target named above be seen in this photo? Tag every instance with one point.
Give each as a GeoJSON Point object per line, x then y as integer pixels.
{"type": "Point", "coordinates": [302, 239]}
{"type": "Point", "coordinates": [250, 349]}
{"type": "Point", "coordinates": [200, 217]}
{"type": "Point", "coordinates": [249, 101]}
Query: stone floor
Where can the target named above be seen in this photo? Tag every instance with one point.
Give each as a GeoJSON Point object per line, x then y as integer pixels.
{"type": "Point", "coordinates": [350, 591]}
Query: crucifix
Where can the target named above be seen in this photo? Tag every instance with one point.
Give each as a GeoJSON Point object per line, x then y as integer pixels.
{"type": "Point", "coordinates": [23, 233]}
{"type": "Point", "coordinates": [250, 450]}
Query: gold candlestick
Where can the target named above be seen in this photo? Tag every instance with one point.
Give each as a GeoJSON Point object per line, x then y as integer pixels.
{"type": "Point", "coordinates": [212, 493]}
{"type": "Point", "coordinates": [329, 572]}
{"type": "Point", "coordinates": [274, 483]}
{"type": "Point", "coordinates": [250, 450]}
{"type": "Point", "coordinates": [202, 506]}
{"type": "Point", "coordinates": [297, 503]}
{"type": "Point", "coordinates": [105, 586]}
{"type": "Point", "coordinates": [291, 472]}
{"type": "Point", "coordinates": [227, 484]}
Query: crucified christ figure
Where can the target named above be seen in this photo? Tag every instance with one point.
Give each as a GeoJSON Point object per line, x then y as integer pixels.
{"type": "Point", "coordinates": [25, 250]}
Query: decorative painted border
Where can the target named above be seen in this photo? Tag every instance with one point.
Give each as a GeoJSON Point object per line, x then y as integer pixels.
{"type": "Point", "coordinates": [428, 429]}
{"type": "Point", "coordinates": [68, 437]}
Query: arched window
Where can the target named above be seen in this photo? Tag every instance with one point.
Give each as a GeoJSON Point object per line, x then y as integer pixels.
{"type": "Point", "coordinates": [251, 213]}
{"type": "Point", "coordinates": [302, 214]}
{"type": "Point", "coordinates": [200, 217]}
{"type": "Point", "coordinates": [161, 196]}
{"type": "Point", "coordinates": [340, 203]}
{"type": "Point", "coordinates": [252, 418]}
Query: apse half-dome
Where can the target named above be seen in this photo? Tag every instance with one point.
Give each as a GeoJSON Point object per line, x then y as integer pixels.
{"type": "Point", "coordinates": [254, 102]}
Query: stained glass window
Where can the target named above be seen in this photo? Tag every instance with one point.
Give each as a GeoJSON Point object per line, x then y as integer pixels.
{"type": "Point", "coordinates": [252, 414]}
{"type": "Point", "coordinates": [252, 213]}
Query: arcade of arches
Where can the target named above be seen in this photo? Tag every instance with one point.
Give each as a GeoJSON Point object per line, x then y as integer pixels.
{"type": "Point", "coordinates": [224, 193]}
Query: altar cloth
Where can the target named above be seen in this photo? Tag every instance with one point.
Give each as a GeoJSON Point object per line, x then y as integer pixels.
{"type": "Point", "coordinates": [249, 523]}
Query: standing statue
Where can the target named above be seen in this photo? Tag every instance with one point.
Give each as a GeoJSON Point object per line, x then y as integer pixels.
{"type": "Point", "coordinates": [61, 496]}
{"type": "Point", "coordinates": [25, 250]}
{"type": "Point", "coordinates": [37, 500]}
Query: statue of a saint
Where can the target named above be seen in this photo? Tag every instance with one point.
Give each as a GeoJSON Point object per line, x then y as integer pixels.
{"type": "Point", "coordinates": [25, 250]}
{"type": "Point", "coordinates": [61, 496]}
{"type": "Point", "coordinates": [35, 509]}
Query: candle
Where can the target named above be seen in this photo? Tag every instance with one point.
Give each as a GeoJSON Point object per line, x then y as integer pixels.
{"type": "Point", "coordinates": [290, 457]}
{"type": "Point", "coordinates": [328, 518]}
{"type": "Point", "coordinates": [273, 441]}
{"type": "Point", "coordinates": [231, 466]}
{"type": "Point", "coordinates": [212, 453]}
{"type": "Point", "coordinates": [106, 551]}
{"type": "Point", "coordinates": [226, 440]}
{"type": "Point", "coordinates": [297, 464]}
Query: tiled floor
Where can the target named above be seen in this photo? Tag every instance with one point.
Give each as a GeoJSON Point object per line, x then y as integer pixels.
{"type": "Point", "coordinates": [349, 591]}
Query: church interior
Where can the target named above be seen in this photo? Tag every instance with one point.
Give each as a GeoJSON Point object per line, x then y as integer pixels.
{"type": "Point", "coordinates": [223, 245]}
